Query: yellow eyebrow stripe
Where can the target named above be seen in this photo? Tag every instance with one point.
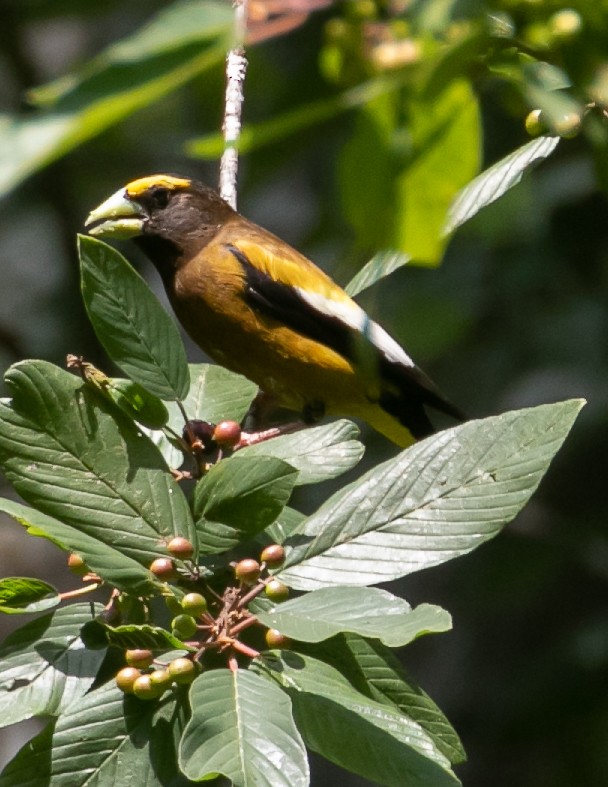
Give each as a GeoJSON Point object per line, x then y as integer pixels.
{"type": "Point", "coordinates": [140, 186]}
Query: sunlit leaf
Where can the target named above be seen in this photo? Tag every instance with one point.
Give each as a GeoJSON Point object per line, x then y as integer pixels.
{"type": "Point", "coordinates": [381, 265]}
{"type": "Point", "coordinates": [45, 666]}
{"type": "Point", "coordinates": [318, 452]}
{"type": "Point", "coordinates": [242, 727]}
{"type": "Point", "coordinates": [136, 332]}
{"type": "Point", "coordinates": [24, 594]}
{"type": "Point", "coordinates": [182, 41]}
{"type": "Point", "coordinates": [238, 498]}
{"type": "Point", "coordinates": [104, 738]}
{"type": "Point", "coordinates": [364, 736]}
{"type": "Point", "coordinates": [370, 612]}
{"type": "Point", "coordinates": [73, 455]}
{"type": "Point", "coordinates": [497, 179]}
{"type": "Point", "coordinates": [441, 498]}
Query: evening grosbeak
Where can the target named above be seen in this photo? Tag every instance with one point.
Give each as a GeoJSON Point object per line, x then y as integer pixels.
{"type": "Point", "coordinates": [260, 308]}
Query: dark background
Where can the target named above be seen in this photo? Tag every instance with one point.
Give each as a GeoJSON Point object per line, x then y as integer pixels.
{"type": "Point", "coordinates": [515, 316]}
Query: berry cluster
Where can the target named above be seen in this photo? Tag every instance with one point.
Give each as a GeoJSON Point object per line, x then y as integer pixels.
{"type": "Point", "coordinates": [206, 622]}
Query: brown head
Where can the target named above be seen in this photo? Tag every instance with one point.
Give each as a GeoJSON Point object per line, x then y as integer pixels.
{"type": "Point", "coordinates": [171, 218]}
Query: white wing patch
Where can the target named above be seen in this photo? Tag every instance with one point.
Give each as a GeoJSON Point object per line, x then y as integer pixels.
{"type": "Point", "coordinates": [355, 317]}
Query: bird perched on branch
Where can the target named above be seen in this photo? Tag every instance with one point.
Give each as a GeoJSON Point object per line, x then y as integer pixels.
{"type": "Point", "coordinates": [259, 307]}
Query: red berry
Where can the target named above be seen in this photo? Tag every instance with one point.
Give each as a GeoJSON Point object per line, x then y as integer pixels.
{"type": "Point", "coordinates": [273, 555]}
{"type": "Point", "coordinates": [139, 657]}
{"type": "Point", "coordinates": [227, 434]}
{"type": "Point", "coordinates": [164, 569]}
{"type": "Point", "coordinates": [180, 548]}
{"type": "Point", "coordinates": [247, 571]}
{"type": "Point", "coordinates": [77, 565]}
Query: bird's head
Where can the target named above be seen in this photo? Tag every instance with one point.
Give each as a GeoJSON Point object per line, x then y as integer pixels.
{"type": "Point", "coordinates": [169, 216]}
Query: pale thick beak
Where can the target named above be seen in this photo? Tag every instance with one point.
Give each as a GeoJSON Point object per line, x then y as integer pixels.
{"type": "Point", "coordinates": [117, 217]}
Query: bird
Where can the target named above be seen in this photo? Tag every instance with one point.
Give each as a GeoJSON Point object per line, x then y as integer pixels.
{"type": "Point", "coordinates": [260, 308]}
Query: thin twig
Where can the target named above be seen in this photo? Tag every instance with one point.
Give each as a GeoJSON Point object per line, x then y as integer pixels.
{"type": "Point", "coordinates": [80, 591]}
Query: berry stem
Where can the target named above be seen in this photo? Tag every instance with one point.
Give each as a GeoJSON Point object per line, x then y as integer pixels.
{"type": "Point", "coordinates": [255, 591]}
{"type": "Point", "coordinates": [233, 664]}
{"type": "Point", "coordinates": [245, 649]}
{"type": "Point", "coordinates": [80, 591]}
{"type": "Point", "coordinates": [243, 624]}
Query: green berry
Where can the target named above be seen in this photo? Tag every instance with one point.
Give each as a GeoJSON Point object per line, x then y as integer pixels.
{"type": "Point", "coordinates": [194, 604]}
{"type": "Point", "coordinates": [126, 678]}
{"type": "Point", "coordinates": [534, 123]}
{"type": "Point", "coordinates": [276, 590]}
{"type": "Point", "coordinates": [144, 689]}
{"type": "Point", "coordinates": [565, 24]}
{"type": "Point", "coordinates": [274, 639]}
{"type": "Point", "coordinates": [569, 125]}
{"type": "Point", "coordinates": [161, 678]}
{"type": "Point", "coordinates": [183, 626]}
{"type": "Point", "coordinates": [182, 670]}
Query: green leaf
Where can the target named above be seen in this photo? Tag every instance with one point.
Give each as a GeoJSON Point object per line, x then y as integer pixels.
{"type": "Point", "coordinates": [138, 403]}
{"type": "Point", "coordinates": [426, 161]}
{"type": "Point", "coordinates": [181, 41]}
{"type": "Point", "coordinates": [375, 671]}
{"type": "Point", "coordinates": [275, 129]}
{"type": "Point", "coordinates": [318, 452]}
{"type": "Point", "coordinates": [496, 180]}
{"type": "Point", "coordinates": [23, 594]}
{"type": "Point", "coordinates": [73, 455]}
{"type": "Point", "coordinates": [44, 666]}
{"type": "Point", "coordinates": [381, 265]}
{"type": "Point", "coordinates": [238, 498]}
{"type": "Point", "coordinates": [369, 738]}
{"type": "Point", "coordinates": [439, 499]}
{"type": "Point", "coordinates": [242, 727]}
{"type": "Point", "coordinates": [218, 395]}
{"type": "Point", "coordinates": [105, 738]}
{"type": "Point", "coordinates": [122, 572]}
{"type": "Point", "coordinates": [446, 137]}
{"type": "Point", "coordinates": [215, 395]}
{"type": "Point", "coordinates": [367, 611]}
{"type": "Point", "coordinates": [136, 332]}
{"type": "Point", "coordinates": [288, 520]}
{"type": "Point", "coordinates": [366, 174]}
{"type": "Point", "coordinates": [97, 634]}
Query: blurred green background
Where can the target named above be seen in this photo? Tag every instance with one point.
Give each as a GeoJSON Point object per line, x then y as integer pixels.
{"type": "Point", "coordinates": [363, 120]}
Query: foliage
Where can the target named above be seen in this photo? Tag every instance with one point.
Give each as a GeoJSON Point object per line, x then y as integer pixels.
{"type": "Point", "coordinates": [98, 486]}
{"type": "Point", "coordinates": [401, 106]}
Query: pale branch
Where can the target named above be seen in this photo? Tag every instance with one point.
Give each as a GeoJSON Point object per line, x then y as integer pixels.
{"type": "Point", "coordinates": [236, 68]}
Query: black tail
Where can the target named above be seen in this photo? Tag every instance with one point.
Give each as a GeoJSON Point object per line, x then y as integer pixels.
{"type": "Point", "coordinates": [408, 392]}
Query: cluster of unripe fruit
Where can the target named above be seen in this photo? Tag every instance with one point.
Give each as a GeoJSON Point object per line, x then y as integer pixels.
{"type": "Point", "coordinates": [147, 683]}
{"type": "Point", "coordinates": [148, 678]}
{"type": "Point", "coordinates": [568, 125]}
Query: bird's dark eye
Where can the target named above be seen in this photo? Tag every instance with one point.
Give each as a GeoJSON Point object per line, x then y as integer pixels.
{"type": "Point", "coordinates": [159, 197]}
